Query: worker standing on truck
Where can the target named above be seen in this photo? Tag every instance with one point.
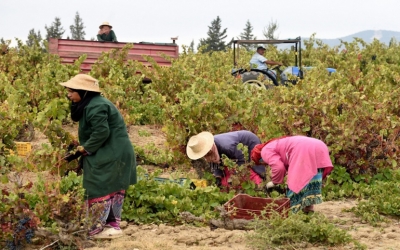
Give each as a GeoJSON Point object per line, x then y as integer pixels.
{"type": "Point", "coordinates": [106, 34]}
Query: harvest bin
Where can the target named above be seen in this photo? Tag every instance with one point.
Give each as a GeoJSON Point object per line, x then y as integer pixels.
{"type": "Point", "coordinates": [23, 148]}
{"type": "Point", "coordinates": [247, 207]}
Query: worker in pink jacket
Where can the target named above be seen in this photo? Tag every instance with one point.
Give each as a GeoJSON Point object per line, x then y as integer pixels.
{"type": "Point", "coordinates": [306, 162]}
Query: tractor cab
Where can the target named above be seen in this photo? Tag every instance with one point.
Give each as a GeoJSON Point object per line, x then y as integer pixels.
{"type": "Point", "coordinates": [273, 76]}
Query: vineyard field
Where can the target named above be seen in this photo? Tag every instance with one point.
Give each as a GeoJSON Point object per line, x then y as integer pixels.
{"type": "Point", "coordinates": [355, 111]}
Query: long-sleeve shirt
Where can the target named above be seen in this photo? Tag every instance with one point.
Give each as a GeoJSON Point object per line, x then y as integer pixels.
{"type": "Point", "coordinates": [110, 37]}
{"type": "Point", "coordinates": [227, 144]}
{"type": "Point", "coordinates": [299, 156]}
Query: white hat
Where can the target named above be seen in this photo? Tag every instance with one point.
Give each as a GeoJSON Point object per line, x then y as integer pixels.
{"type": "Point", "coordinates": [199, 145]}
{"type": "Point", "coordinates": [105, 24]}
{"type": "Point", "coordinates": [83, 82]}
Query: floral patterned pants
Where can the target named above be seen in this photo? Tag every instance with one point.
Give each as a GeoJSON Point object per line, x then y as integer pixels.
{"type": "Point", "coordinates": [106, 211]}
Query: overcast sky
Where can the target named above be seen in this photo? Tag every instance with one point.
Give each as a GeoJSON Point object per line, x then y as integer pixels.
{"type": "Point", "coordinates": [159, 20]}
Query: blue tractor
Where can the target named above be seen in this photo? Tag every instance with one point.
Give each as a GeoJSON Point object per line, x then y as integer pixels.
{"type": "Point", "coordinates": [274, 76]}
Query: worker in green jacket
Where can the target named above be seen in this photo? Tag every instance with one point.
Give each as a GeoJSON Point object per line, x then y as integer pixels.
{"type": "Point", "coordinates": [106, 34]}
{"type": "Point", "coordinates": [109, 163]}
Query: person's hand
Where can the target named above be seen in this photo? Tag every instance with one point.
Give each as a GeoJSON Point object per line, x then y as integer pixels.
{"type": "Point", "coordinates": [72, 145]}
{"type": "Point", "coordinates": [270, 185]}
{"type": "Point", "coordinates": [100, 32]}
{"type": "Point", "coordinates": [72, 157]}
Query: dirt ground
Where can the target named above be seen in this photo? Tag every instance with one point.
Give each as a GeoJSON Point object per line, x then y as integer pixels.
{"type": "Point", "coordinates": [385, 236]}
{"type": "Point", "coordinates": [139, 135]}
{"type": "Point", "coordinates": [164, 237]}
{"type": "Point", "coordinates": [152, 237]}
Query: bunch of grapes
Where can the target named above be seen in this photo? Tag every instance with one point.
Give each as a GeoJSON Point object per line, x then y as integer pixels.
{"type": "Point", "coordinates": [21, 224]}
{"type": "Point", "coordinates": [11, 245]}
{"type": "Point", "coordinates": [21, 229]}
{"type": "Point", "coordinates": [28, 235]}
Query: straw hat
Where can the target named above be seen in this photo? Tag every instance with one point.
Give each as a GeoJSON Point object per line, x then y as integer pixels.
{"type": "Point", "coordinates": [83, 82]}
{"type": "Point", "coordinates": [105, 24]}
{"type": "Point", "coordinates": [199, 145]}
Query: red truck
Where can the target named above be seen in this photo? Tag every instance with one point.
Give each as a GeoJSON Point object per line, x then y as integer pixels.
{"type": "Point", "coordinates": [71, 50]}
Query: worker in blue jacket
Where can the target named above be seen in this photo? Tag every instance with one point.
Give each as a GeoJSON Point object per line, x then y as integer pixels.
{"type": "Point", "coordinates": [212, 147]}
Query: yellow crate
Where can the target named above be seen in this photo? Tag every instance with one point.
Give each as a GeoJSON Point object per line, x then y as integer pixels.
{"type": "Point", "coordinates": [23, 148]}
{"type": "Point", "coordinates": [199, 182]}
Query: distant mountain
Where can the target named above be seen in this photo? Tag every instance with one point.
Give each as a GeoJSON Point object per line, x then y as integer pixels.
{"type": "Point", "coordinates": [384, 36]}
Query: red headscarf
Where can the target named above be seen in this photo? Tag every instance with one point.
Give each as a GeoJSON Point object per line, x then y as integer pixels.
{"type": "Point", "coordinates": [256, 152]}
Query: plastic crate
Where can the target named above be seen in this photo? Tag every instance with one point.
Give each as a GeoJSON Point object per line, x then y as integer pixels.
{"type": "Point", "coordinates": [244, 206]}
{"type": "Point", "coordinates": [199, 183]}
{"type": "Point", "coordinates": [23, 148]}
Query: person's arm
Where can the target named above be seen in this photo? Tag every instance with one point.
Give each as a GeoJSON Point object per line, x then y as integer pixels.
{"type": "Point", "coordinates": [99, 38]}
{"type": "Point", "coordinates": [98, 120]}
{"type": "Point", "coordinates": [278, 170]}
{"type": "Point", "coordinates": [113, 36]}
{"type": "Point", "coordinates": [273, 63]}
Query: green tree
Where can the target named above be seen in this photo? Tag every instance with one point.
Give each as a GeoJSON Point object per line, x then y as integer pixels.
{"type": "Point", "coordinates": [269, 32]}
{"type": "Point", "coordinates": [191, 46]}
{"type": "Point", "coordinates": [247, 34]}
{"type": "Point", "coordinates": [215, 40]}
{"type": "Point", "coordinates": [77, 29]}
{"type": "Point", "coordinates": [55, 30]}
{"type": "Point", "coordinates": [33, 37]}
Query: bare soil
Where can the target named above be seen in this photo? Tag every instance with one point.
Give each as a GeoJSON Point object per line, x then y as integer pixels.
{"type": "Point", "coordinates": [152, 237]}
{"type": "Point", "coordinates": [386, 236]}
{"type": "Point", "coordinates": [164, 237]}
{"type": "Point", "coordinates": [180, 238]}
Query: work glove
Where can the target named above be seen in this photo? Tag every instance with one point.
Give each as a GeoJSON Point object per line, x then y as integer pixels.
{"type": "Point", "coordinates": [79, 152]}
{"type": "Point", "coordinates": [71, 157]}
{"type": "Point", "coordinates": [72, 146]}
{"type": "Point", "coordinates": [270, 185]}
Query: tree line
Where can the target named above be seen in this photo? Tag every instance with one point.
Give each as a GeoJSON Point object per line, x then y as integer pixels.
{"type": "Point", "coordinates": [215, 40]}
{"type": "Point", "coordinates": [216, 36]}
{"type": "Point", "coordinates": [56, 30]}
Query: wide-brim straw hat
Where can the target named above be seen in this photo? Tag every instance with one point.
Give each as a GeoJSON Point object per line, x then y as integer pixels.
{"type": "Point", "coordinates": [105, 24]}
{"type": "Point", "coordinates": [199, 145]}
{"type": "Point", "coordinates": [82, 82]}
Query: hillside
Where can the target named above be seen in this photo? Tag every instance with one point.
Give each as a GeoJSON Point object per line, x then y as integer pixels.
{"type": "Point", "coordinates": [384, 36]}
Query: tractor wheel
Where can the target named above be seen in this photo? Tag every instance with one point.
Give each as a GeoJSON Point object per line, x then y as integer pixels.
{"type": "Point", "coordinates": [272, 78]}
{"type": "Point", "coordinates": [255, 84]}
